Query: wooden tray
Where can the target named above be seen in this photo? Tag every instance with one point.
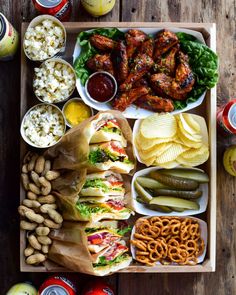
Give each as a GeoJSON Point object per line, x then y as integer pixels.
{"type": "Point", "coordinates": [207, 109]}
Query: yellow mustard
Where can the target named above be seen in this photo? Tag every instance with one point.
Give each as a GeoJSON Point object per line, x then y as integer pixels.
{"type": "Point", "coordinates": [76, 111]}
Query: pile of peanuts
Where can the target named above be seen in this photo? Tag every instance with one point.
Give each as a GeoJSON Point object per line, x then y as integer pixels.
{"type": "Point", "coordinates": [38, 210]}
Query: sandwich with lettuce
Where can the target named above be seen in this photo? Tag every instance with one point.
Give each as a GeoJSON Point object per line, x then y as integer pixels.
{"type": "Point", "coordinates": [107, 247]}
{"type": "Point", "coordinates": [110, 155]}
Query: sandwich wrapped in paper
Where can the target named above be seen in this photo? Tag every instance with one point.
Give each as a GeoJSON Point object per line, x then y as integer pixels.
{"type": "Point", "coordinates": [101, 195]}
{"type": "Point", "coordinates": [96, 248]}
{"type": "Point", "coordinates": [102, 142]}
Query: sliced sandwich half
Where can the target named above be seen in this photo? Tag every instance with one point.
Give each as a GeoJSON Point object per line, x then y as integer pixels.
{"type": "Point", "coordinates": [110, 156]}
{"type": "Point", "coordinates": [103, 184]}
{"type": "Point", "coordinates": [108, 129]}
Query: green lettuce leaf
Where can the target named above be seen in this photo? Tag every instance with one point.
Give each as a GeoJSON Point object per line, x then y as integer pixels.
{"type": "Point", "coordinates": [123, 231]}
{"type": "Point", "coordinates": [86, 210]}
{"type": "Point", "coordinates": [111, 130]}
{"type": "Point", "coordinates": [88, 51]}
{"type": "Point", "coordinates": [99, 183]}
{"type": "Point", "coordinates": [204, 64]}
{"type": "Point", "coordinates": [104, 262]}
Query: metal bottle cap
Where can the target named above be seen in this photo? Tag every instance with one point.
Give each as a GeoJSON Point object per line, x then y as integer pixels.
{"type": "Point", "coordinates": [48, 3]}
{"type": "Point", "coordinates": [232, 115]}
{"type": "Point", "coordinates": [55, 290]}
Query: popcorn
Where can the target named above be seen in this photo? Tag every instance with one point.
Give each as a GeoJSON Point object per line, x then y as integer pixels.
{"type": "Point", "coordinates": [54, 81]}
{"type": "Point", "coordinates": [44, 125]}
{"type": "Point", "coordinates": [44, 40]}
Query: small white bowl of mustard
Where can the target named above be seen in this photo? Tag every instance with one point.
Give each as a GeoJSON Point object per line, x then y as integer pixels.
{"type": "Point", "coordinates": [76, 111]}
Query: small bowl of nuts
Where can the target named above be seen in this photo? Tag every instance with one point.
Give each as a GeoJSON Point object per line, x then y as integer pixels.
{"type": "Point", "coordinates": [43, 125]}
{"type": "Point", "coordinates": [54, 81]}
{"type": "Point", "coordinates": [44, 38]}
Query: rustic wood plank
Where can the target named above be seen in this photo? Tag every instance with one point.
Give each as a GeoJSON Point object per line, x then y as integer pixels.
{"type": "Point", "coordinates": [223, 281]}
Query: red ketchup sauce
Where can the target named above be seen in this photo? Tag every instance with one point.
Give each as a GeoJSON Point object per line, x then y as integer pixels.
{"type": "Point", "coordinates": [101, 87]}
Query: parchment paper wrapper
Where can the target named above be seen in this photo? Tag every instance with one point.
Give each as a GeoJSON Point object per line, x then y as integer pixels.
{"type": "Point", "coordinates": [73, 150]}
{"type": "Point", "coordinates": [70, 248]}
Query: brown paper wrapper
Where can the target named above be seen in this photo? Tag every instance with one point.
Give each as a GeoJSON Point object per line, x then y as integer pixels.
{"type": "Point", "coordinates": [70, 249]}
{"type": "Point", "coordinates": [73, 150]}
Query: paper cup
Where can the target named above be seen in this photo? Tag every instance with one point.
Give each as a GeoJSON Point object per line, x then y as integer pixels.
{"type": "Point", "coordinates": [62, 61]}
{"type": "Point", "coordinates": [39, 19]}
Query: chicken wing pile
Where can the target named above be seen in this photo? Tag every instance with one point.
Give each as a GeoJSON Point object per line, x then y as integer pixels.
{"type": "Point", "coordinates": [150, 72]}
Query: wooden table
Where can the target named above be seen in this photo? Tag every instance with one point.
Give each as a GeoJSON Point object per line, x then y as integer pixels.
{"type": "Point", "coordinates": [223, 281]}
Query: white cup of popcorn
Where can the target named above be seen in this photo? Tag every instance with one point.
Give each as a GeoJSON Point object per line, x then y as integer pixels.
{"type": "Point", "coordinates": [44, 38]}
{"type": "Point", "coordinates": [43, 125]}
{"type": "Point", "coordinates": [54, 81]}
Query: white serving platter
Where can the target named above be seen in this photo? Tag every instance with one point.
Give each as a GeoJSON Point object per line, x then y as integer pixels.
{"type": "Point", "coordinates": [134, 112]}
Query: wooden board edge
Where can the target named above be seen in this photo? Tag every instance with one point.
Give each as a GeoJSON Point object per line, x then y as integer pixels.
{"type": "Point", "coordinates": [213, 137]}
{"type": "Point", "coordinates": [209, 265]}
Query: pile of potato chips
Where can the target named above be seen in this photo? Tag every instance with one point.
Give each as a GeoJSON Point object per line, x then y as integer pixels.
{"type": "Point", "coordinates": [167, 141]}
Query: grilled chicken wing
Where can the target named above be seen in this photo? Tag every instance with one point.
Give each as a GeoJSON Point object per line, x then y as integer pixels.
{"type": "Point", "coordinates": [101, 42]}
{"type": "Point", "coordinates": [155, 103]}
{"type": "Point", "coordinates": [163, 42]}
{"type": "Point", "coordinates": [140, 82]}
{"type": "Point", "coordinates": [120, 61]}
{"type": "Point", "coordinates": [142, 63]}
{"type": "Point", "coordinates": [167, 64]}
{"type": "Point", "coordinates": [147, 47]}
{"type": "Point", "coordinates": [100, 62]}
{"type": "Point", "coordinates": [134, 39]}
{"type": "Point", "coordinates": [127, 98]}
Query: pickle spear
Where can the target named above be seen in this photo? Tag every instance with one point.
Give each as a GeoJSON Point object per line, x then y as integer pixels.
{"type": "Point", "coordinates": [142, 193]}
{"type": "Point", "coordinates": [149, 182]}
{"type": "Point", "coordinates": [178, 209]}
{"type": "Point", "coordinates": [178, 193]}
{"type": "Point", "coordinates": [198, 175]}
{"type": "Point", "coordinates": [174, 181]}
{"type": "Point", "coordinates": [175, 202]}
{"type": "Point", "coordinates": [160, 208]}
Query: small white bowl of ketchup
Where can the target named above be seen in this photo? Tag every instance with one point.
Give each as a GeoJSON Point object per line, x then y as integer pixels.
{"type": "Point", "coordinates": [101, 87]}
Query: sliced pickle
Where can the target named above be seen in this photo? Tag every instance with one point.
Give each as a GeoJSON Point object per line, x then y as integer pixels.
{"type": "Point", "coordinates": [197, 175]}
{"type": "Point", "coordinates": [149, 182]}
{"type": "Point", "coordinates": [178, 209]}
{"type": "Point", "coordinates": [160, 208]}
{"type": "Point", "coordinates": [175, 202]}
{"type": "Point", "coordinates": [178, 193]}
{"type": "Point", "coordinates": [175, 182]}
{"type": "Point", "coordinates": [143, 194]}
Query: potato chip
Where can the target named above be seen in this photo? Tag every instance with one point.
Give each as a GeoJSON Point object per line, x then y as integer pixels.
{"type": "Point", "coordinates": [187, 142]}
{"type": "Point", "coordinates": [159, 126]}
{"type": "Point", "coordinates": [195, 161]}
{"type": "Point", "coordinates": [192, 137]}
{"type": "Point", "coordinates": [191, 153]}
{"type": "Point", "coordinates": [155, 151]}
{"type": "Point", "coordinates": [191, 122]}
{"type": "Point", "coordinates": [171, 153]}
{"type": "Point", "coordinates": [147, 144]}
{"type": "Point", "coordinates": [148, 162]}
{"type": "Point", "coordinates": [186, 126]}
{"type": "Point", "coordinates": [167, 165]}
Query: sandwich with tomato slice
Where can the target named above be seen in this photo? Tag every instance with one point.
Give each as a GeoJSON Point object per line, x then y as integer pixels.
{"type": "Point", "coordinates": [103, 184]}
{"type": "Point", "coordinates": [107, 129]}
{"type": "Point", "coordinates": [107, 248]}
{"type": "Point", "coordinates": [95, 209]}
{"type": "Point", "coordinates": [110, 156]}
